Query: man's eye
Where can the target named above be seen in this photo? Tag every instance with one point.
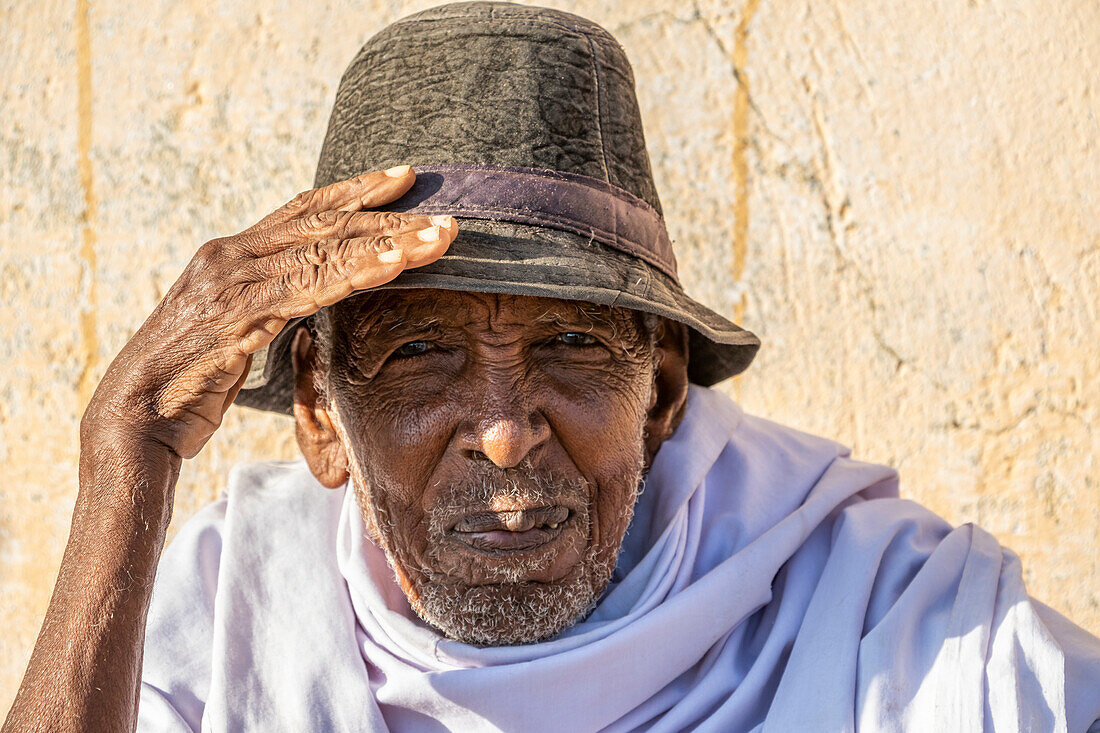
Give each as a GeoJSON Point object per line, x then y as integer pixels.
{"type": "Point", "coordinates": [574, 338]}
{"type": "Point", "coordinates": [413, 348]}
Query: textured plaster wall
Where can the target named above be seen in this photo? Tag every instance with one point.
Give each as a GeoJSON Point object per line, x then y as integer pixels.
{"type": "Point", "coordinates": [900, 198]}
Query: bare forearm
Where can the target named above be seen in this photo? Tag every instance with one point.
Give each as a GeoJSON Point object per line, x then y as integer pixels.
{"type": "Point", "coordinates": [85, 670]}
{"type": "Point", "coordinates": [162, 398]}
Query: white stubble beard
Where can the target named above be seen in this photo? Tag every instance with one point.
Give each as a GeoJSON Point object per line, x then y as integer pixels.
{"type": "Point", "coordinates": [476, 614]}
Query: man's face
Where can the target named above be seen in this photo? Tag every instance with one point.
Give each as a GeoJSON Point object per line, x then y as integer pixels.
{"type": "Point", "coordinates": [496, 444]}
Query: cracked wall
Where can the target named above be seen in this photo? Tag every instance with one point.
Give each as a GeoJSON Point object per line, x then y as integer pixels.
{"type": "Point", "coordinates": [899, 198]}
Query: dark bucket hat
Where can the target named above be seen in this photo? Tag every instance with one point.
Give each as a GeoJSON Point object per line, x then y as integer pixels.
{"type": "Point", "coordinates": [523, 123]}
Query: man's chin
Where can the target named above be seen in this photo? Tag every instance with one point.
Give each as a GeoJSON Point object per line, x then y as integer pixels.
{"type": "Point", "coordinates": [511, 613]}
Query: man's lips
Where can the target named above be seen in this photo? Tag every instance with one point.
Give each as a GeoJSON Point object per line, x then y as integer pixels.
{"type": "Point", "coordinates": [522, 529]}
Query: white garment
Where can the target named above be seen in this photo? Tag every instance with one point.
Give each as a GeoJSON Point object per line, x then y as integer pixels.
{"type": "Point", "coordinates": [767, 582]}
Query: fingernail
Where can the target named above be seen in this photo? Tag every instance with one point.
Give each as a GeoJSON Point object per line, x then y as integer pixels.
{"type": "Point", "coordinates": [442, 220]}
{"type": "Point", "coordinates": [398, 171]}
{"type": "Point", "coordinates": [431, 234]}
{"type": "Point", "coordinates": [390, 257]}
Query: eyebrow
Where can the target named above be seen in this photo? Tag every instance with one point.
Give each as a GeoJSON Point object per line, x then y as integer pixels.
{"type": "Point", "coordinates": [594, 318]}
{"type": "Point", "coordinates": [395, 323]}
{"type": "Point", "coordinates": [390, 320]}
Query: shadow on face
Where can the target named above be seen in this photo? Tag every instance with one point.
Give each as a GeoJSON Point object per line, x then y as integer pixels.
{"type": "Point", "coordinates": [496, 444]}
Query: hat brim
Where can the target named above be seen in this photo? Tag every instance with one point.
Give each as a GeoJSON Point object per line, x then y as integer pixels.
{"type": "Point", "coordinates": [504, 257]}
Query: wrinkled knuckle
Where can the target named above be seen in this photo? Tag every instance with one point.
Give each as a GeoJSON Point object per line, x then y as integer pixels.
{"type": "Point", "coordinates": [209, 254]}
{"type": "Point", "coordinates": [239, 246]}
{"type": "Point", "coordinates": [306, 279]}
{"type": "Point", "coordinates": [301, 201]}
{"type": "Point", "coordinates": [342, 250]}
{"type": "Point", "coordinates": [342, 219]}
{"type": "Point", "coordinates": [321, 221]}
{"type": "Point", "coordinates": [313, 222]}
{"type": "Point", "coordinates": [315, 253]}
{"type": "Point", "coordinates": [204, 269]}
{"type": "Point", "coordinates": [390, 220]}
{"type": "Point", "coordinates": [247, 243]}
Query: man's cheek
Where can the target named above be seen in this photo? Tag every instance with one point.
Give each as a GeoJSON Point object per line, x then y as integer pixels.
{"type": "Point", "coordinates": [399, 530]}
{"type": "Point", "coordinates": [617, 473]}
{"type": "Point", "coordinates": [400, 442]}
{"type": "Point", "coordinates": [605, 438]}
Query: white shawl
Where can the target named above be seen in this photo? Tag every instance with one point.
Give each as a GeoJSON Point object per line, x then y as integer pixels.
{"type": "Point", "coordinates": [767, 582]}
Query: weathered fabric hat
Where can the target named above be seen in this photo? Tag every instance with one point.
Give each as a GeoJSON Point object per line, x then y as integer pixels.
{"type": "Point", "coordinates": [523, 123]}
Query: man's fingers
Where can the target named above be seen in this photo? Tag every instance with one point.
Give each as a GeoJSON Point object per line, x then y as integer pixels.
{"type": "Point", "coordinates": [304, 291]}
{"type": "Point", "coordinates": [332, 224]}
{"type": "Point", "coordinates": [232, 393]}
{"type": "Point", "coordinates": [364, 191]}
{"type": "Point", "coordinates": [307, 279]}
{"type": "Point", "coordinates": [377, 188]}
{"type": "Point", "coordinates": [358, 241]}
{"type": "Point", "coordinates": [263, 293]}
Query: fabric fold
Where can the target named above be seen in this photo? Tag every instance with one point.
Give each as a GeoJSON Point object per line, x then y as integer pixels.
{"type": "Point", "coordinates": [768, 582]}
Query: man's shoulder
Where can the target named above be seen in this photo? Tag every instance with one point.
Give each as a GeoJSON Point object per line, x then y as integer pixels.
{"type": "Point", "coordinates": [270, 479]}
{"type": "Point", "coordinates": [272, 500]}
{"type": "Point", "coordinates": [757, 457]}
{"type": "Point", "coordinates": [271, 517]}
{"type": "Point", "coordinates": [277, 481]}
{"type": "Point", "coordinates": [711, 411]}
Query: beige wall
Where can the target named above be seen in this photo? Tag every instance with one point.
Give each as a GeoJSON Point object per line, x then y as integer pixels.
{"type": "Point", "coordinates": [900, 198]}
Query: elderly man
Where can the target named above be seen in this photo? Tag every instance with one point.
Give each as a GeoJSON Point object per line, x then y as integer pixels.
{"type": "Point", "coordinates": [515, 362]}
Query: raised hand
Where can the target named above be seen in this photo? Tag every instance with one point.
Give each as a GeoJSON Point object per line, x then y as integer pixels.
{"type": "Point", "coordinates": [174, 380]}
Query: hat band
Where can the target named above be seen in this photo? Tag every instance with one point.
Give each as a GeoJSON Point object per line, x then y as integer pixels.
{"type": "Point", "coordinates": [571, 202]}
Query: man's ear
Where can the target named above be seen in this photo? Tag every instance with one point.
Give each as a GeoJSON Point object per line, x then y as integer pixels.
{"type": "Point", "coordinates": [670, 385]}
{"type": "Point", "coordinates": [317, 438]}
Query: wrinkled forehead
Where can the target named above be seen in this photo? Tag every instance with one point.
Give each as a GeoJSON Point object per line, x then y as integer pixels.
{"type": "Point", "coordinates": [387, 310]}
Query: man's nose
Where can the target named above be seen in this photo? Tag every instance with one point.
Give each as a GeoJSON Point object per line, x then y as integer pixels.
{"type": "Point", "coordinates": [508, 439]}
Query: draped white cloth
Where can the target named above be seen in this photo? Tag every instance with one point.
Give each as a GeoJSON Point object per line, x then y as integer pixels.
{"type": "Point", "coordinates": [767, 582]}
